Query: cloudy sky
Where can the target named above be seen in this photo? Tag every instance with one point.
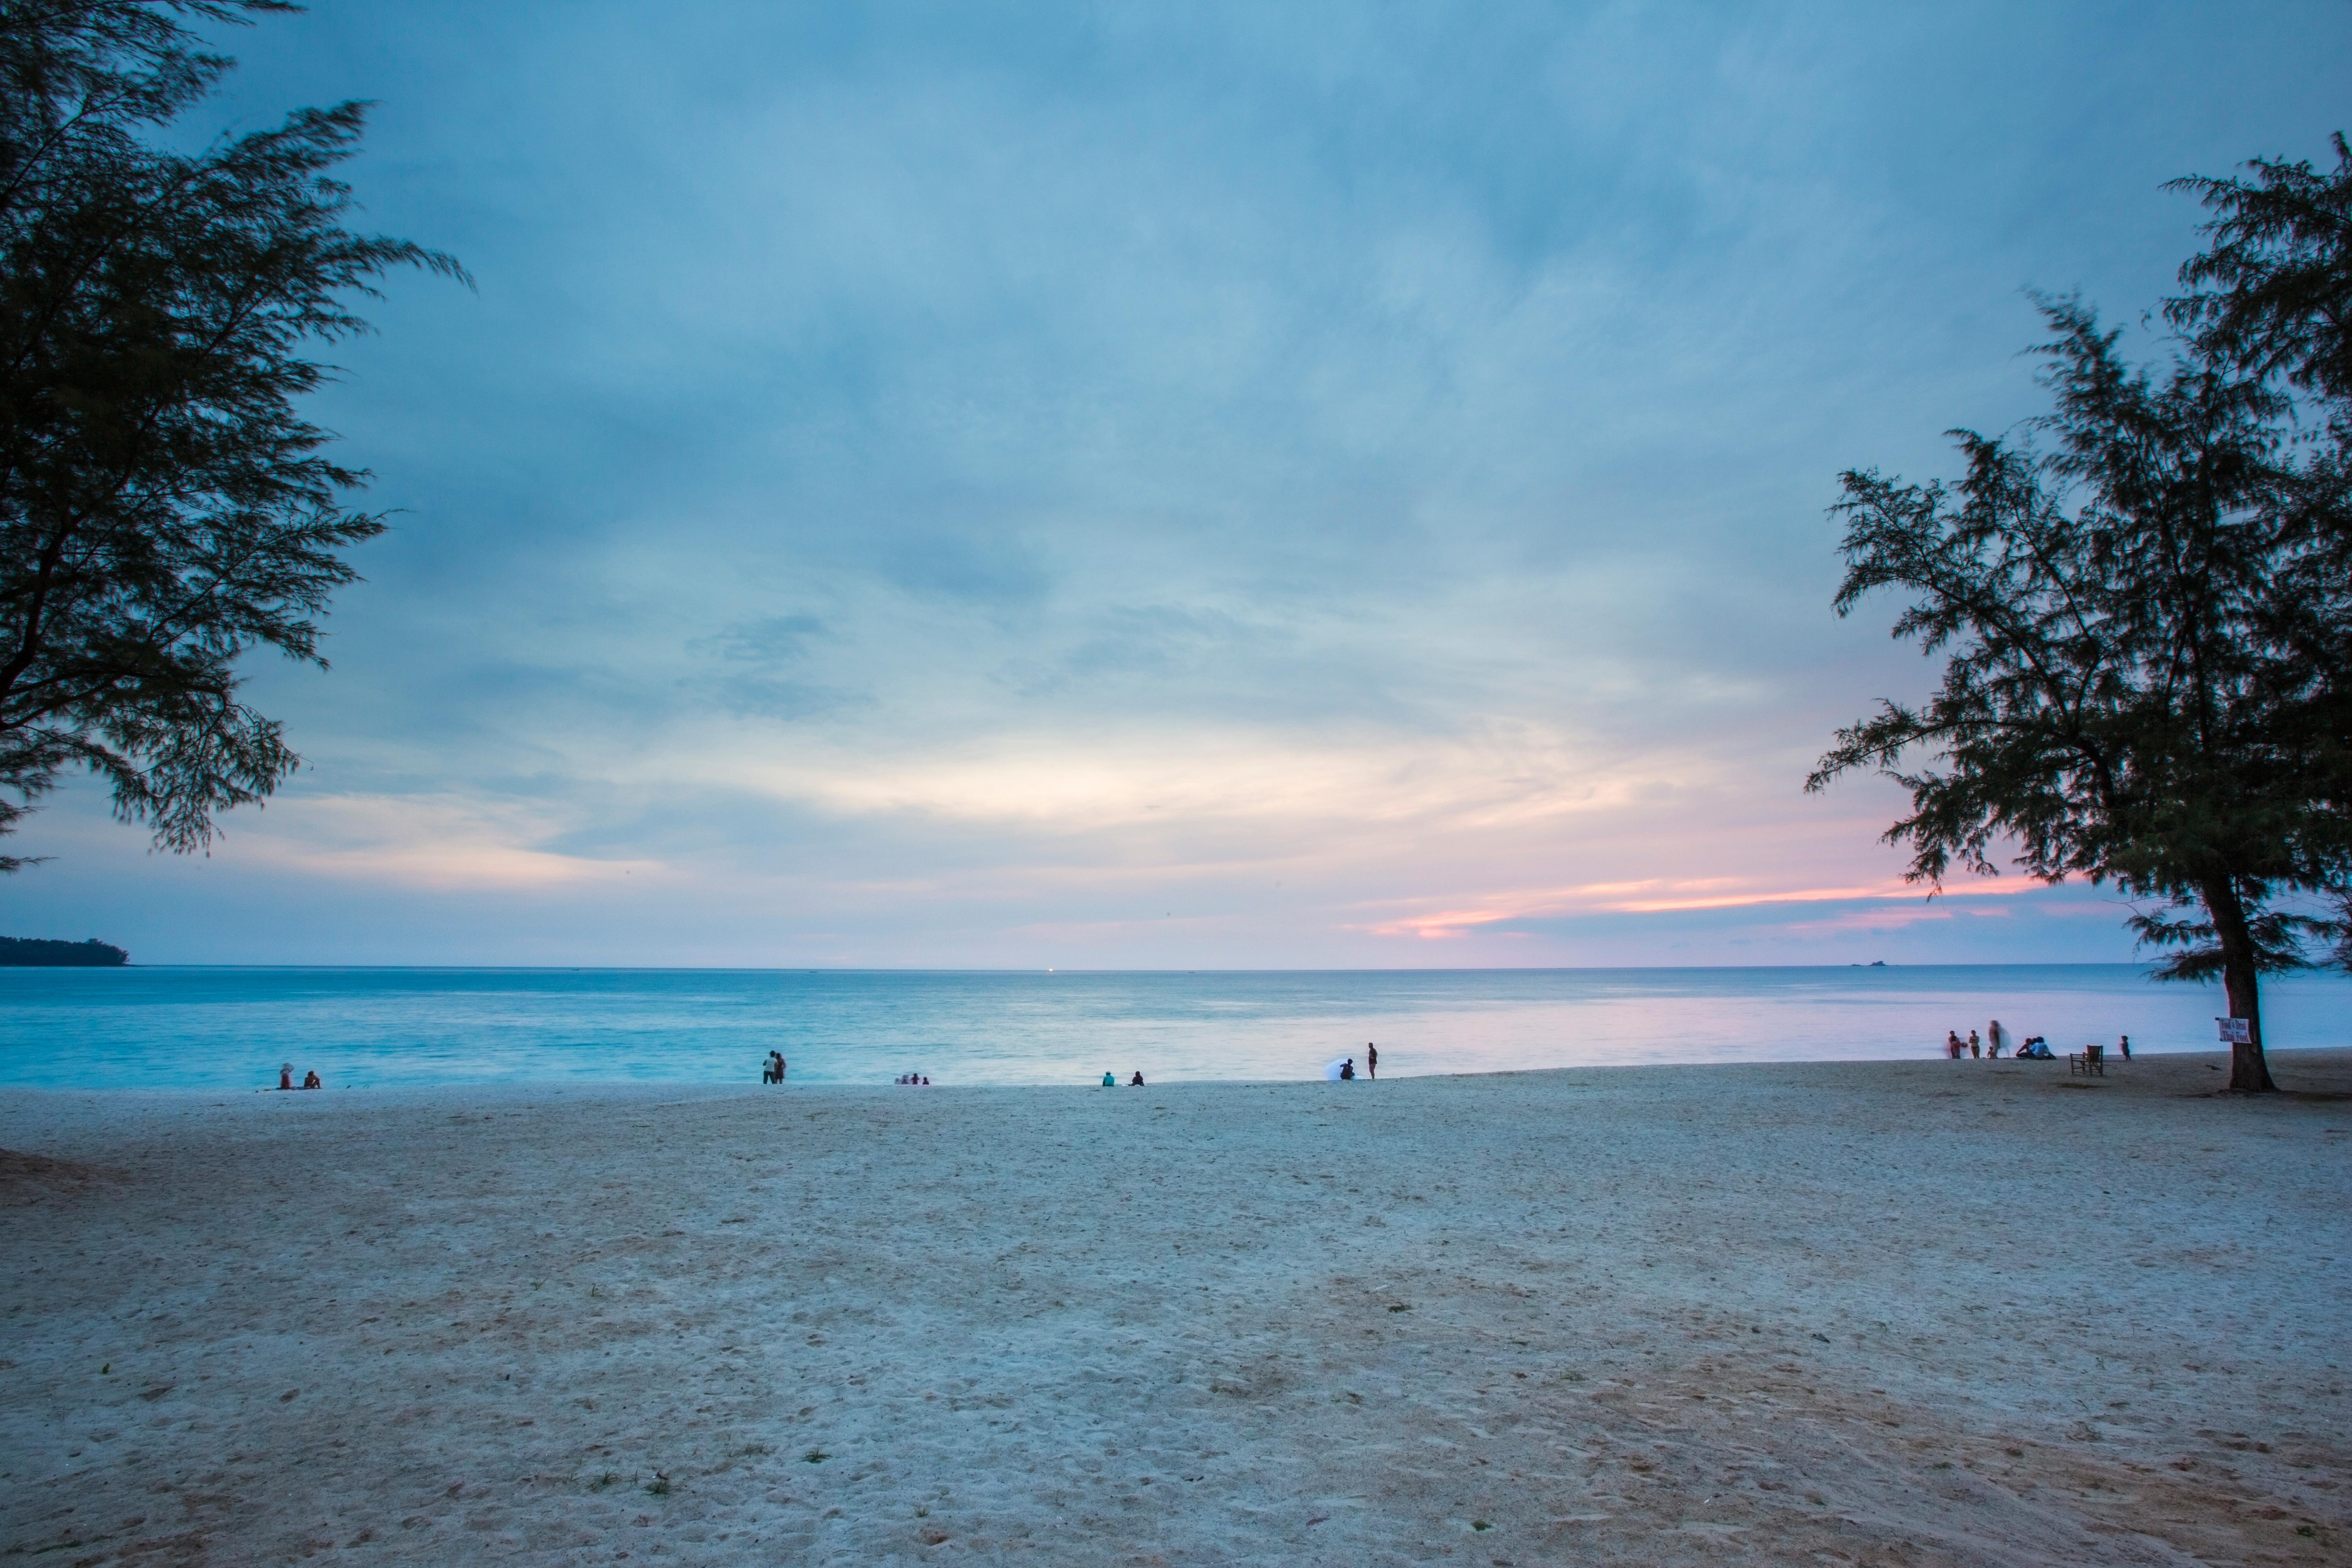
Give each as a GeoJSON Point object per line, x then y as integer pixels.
{"type": "Point", "coordinates": [1168, 486]}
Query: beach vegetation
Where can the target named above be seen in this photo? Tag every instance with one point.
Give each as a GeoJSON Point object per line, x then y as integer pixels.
{"type": "Point", "coordinates": [2144, 601]}
{"type": "Point", "coordinates": [165, 510]}
{"type": "Point", "coordinates": [36, 952]}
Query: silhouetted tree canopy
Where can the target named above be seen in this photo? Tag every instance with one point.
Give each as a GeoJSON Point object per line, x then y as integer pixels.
{"type": "Point", "coordinates": [163, 510]}
{"type": "Point", "coordinates": [29, 953]}
{"type": "Point", "coordinates": [2273, 295]}
{"type": "Point", "coordinates": [2148, 614]}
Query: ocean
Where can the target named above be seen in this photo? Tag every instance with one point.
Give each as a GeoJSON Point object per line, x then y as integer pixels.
{"type": "Point", "coordinates": [219, 1028]}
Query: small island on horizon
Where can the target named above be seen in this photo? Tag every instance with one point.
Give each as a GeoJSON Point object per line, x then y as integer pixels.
{"type": "Point", "coordinates": [25, 953]}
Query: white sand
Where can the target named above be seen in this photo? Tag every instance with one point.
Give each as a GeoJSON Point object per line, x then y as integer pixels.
{"type": "Point", "coordinates": [1900, 1313]}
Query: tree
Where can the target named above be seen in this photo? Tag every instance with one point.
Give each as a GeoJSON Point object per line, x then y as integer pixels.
{"type": "Point", "coordinates": [2139, 688]}
{"type": "Point", "coordinates": [2282, 252]}
{"type": "Point", "coordinates": [2281, 255]}
{"type": "Point", "coordinates": [163, 509]}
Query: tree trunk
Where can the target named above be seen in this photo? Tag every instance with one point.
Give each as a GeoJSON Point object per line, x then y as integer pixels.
{"type": "Point", "coordinates": [2249, 1073]}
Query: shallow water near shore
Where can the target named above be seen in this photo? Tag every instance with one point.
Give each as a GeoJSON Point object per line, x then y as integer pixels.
{"type": "Point", "coordinates": [213, 1028]}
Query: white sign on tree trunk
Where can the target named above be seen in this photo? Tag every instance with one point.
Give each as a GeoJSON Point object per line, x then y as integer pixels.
{"type": "Point", "coordinates": [2236, 1031]}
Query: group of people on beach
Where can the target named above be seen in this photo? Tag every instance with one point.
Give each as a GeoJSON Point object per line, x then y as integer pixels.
{"type": "Point", "coordinates": [286, 1078]}
{"type": "Point", "coordinates": [1346, 1070]}
{"type": "Point", "coordinates": [2033, 1048]}
{"type": "Point", "coordinates": [772, 1071]}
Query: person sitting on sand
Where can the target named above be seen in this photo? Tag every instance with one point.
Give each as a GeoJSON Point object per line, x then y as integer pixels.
{"type": "Point", "coordinates": [1137, 1081]}
{"type": "Point", "coordinates": [311, 1081]}
{"type": "Point", "coordinates": [1110, 1080]}
{"type": "Point", "coordinates": [1348, 1068]}
{"type": "Point", "coordinates": [286, 1076]}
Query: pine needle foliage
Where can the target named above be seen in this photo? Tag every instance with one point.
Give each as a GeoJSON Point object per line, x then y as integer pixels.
{"type": "Point", "coordinates": [2146, 612]}
{"type": "Point", "coordinates": [165, 510]}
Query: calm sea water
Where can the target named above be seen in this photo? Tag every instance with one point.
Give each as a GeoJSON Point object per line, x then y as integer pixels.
{"type": "Point", "coordinates": [219, 1028]}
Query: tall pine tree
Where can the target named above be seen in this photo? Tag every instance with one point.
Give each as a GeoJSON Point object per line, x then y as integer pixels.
{"type": "Point", "coordinates": [2148, 609]}
{"type": "Point", "coordinates": [163, 509]}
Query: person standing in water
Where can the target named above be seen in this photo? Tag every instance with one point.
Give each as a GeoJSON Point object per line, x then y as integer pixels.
{"type": "Point", "coordinates": [1371, 1059]}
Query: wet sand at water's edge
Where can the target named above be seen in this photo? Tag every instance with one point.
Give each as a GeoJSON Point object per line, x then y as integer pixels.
{"type": "Point", "coordinates": [1910, 1313]}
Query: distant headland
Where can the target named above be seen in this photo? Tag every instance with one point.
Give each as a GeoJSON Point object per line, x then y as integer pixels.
{"type": "Point", "coordinates": [25, 952]}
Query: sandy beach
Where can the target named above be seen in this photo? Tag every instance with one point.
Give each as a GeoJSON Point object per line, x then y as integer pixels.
{"type": "Point", "coordinates": [1908, 1313]}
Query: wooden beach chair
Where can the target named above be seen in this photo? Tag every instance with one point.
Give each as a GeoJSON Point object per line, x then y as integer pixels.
{"type": "Point", "coordinates": [2091, 1061]}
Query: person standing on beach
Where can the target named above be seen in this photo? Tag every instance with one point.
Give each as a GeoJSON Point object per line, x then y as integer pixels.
{"type": "Point", "coordinates": [1993, 1039]}
{"type": "Point", "coordinates": [2123, 1043]}
{"type": "Point", "coordinates": [1975, 1047]}
{"type": "Point", "coordinates": [1371, 1059]}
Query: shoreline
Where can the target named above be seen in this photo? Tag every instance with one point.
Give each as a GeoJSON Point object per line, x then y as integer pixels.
{"type": "Point", "coordinates": [1896, 1312]}
{"type": "Point", "coordinates": [2289, 1055]}
{"type": "Point", "coordinates": [229, 1030]}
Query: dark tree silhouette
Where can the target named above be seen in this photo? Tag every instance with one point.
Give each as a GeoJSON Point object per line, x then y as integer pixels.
{"type": "Point", "coordinates": [164, 510]}
{"type": "Point", "coordinates": [2149, 622]}
{"type": "Point", "coordinates": [29, 953]}
{"type": "Point", "coordinates": [2281, 255]}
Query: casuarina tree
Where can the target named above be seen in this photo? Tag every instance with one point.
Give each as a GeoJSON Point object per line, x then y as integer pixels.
{"type": "Point", "coordinates": [164, 509]}
{"type": "Point", "coordinates": [2144, 605]}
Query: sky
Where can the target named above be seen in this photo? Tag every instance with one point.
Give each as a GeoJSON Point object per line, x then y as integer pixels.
{"type": "Point", "coordinates": [1206, 486]}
